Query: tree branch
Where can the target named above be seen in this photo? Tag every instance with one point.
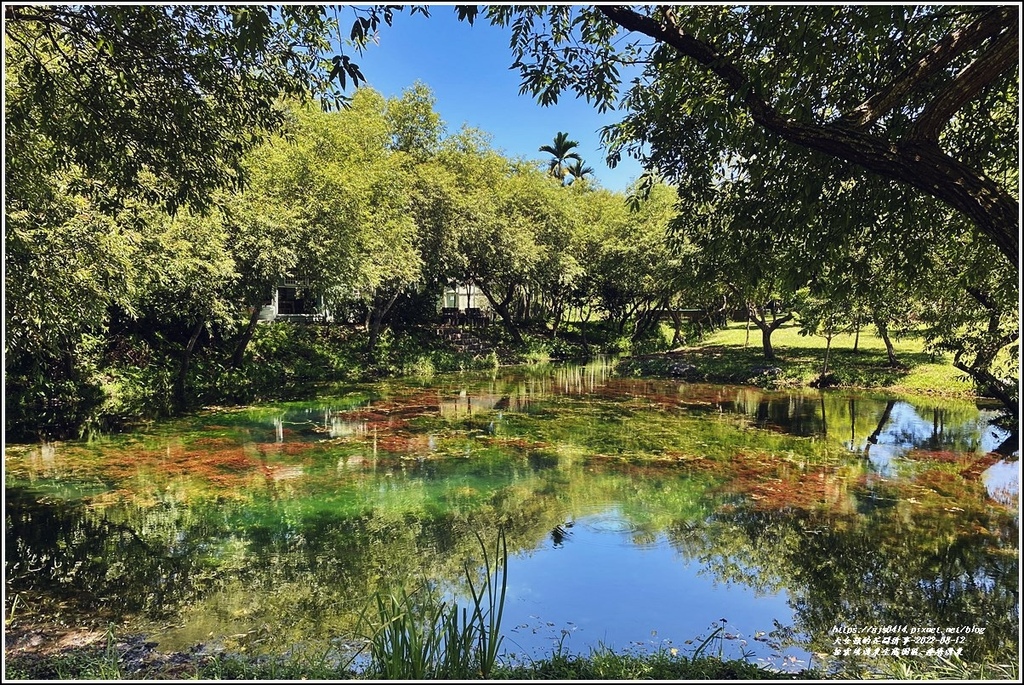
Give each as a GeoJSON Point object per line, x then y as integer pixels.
{"type": "Point", "coordinates": [918, 163]}
{"type": "Point", "coordinates": [687, 45]}
{"type": "Point", "coordinates": [983, 299]}
{"type": "Point", "coordinates": [953, 44]}
{"type": "Point", "coordinates": [46, 16]}
{"type": "Point", "coordinates": [1000, 55]}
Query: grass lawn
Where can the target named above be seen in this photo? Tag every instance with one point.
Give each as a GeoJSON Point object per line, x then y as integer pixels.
{"type": "Point", "coordinates": [728, 356]}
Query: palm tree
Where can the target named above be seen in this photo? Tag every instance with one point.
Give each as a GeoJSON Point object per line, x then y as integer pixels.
{"type": "Point", "coordinates": [560, 152]}
{"type": "Point", "coordinates": [577, 169]}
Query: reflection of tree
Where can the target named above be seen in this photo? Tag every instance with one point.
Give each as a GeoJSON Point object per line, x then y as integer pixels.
{"type": "Point", "coordinates": [145, 561]}
{"type": "Point", "coordinates": [846, 418]}
{"type": "Point", "coordinates": [882, 421]}
{"type": "Point", "coordinates": [305, 564]}
{"type": "Point", "coordinates": [304, 568]}
{"type": "Point", "coordinates": [1009, 446]}
{"type": "Point", "coordinates": [303, 554]}
{"type": "Point", "coordinates": [892, 568]}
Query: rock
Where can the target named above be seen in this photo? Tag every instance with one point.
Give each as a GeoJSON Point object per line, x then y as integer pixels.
{"type": "Point", "coordinates": [682, 370]}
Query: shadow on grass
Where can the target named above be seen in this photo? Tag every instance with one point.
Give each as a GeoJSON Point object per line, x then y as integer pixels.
{"type": "Point", "coordinates": [797, 366]}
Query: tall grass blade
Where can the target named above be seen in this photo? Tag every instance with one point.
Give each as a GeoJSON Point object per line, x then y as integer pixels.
{"type": "Point", "coordinates": [700, 649]}
{"type": "Point", "coordinates": [433, 639]}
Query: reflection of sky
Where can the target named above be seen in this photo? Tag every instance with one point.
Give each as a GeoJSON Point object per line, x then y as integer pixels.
{"type": "Point", "coordinates": [906, 430]}
{"type": "Point", "coordinates": [993, 436]}
{"type": "Point", "coordinates": [903, 430]}
{"type": "Point", "coordinates": [1002, 480]}
{"type": "Point", "coordinates": [657, 598]}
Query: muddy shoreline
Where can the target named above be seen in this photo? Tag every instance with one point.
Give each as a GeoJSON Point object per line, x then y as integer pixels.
{"type": "Point", "coordinates": [41, 651]}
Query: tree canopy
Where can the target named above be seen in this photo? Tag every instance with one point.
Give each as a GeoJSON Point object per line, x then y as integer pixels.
{"type": "Point", "coordinates": [179, 91]}
{"type": "Point", "coordinates": [926, 96]}
{"type": "Point", "coordinates": [166, 167]}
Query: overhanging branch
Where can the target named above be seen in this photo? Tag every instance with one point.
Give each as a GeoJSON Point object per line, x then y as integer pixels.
{"type": "Point", "coordinates": [1000, 55]}
{"type": "Point", "coordinates": [953, 44]}
{"type": "Point", "coordinates": [914, 162]}
{"type": "Point", "coordinates": [687, 45]}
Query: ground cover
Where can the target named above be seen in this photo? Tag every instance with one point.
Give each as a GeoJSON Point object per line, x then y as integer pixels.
{"type": "Point", "coordinates": [105, 656]}
{"type": "Point", "coordinates": [729, 355]}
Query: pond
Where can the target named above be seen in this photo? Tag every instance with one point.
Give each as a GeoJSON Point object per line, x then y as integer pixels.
{"type": "Point", "coordinates": [639, 514]}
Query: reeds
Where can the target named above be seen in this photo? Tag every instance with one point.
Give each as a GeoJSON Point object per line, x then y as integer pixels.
{"type": "Point", "coordinates": [416, 636]}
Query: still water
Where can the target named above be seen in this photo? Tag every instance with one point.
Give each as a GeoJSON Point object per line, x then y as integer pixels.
{"type": "Point", "coordinates": [639, 514]}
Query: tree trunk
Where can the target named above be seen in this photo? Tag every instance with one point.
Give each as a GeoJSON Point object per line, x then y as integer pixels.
{"type": "Point", "coordinates": [883, 331]}
{"type": "Point", "coordinates": [723, 313]}
{"type": "Point", "coordinates": [556, 311]}
{"type": "Point", "coordinates": [856, 334]}
{"type": "Point", "coordinates": [504, 312]}
{"type": "Point", "coordinates": [990, 386]}
{"type": "Point", "coordinates": [766, 329]}
{"type": "Point", "coordinates": [828, 348]}
{"type": "Point", "coordinates": [884, 419]}
{"type": "Point", "coordinates": [824, 420]}
{"type": "Point", "coordinates": [1006, 392]}
{"type": "Point", "coordinates": [1007, 447]}
{"type": "Point", "coordinates": [766, 343]}
{"type": "Point", "coordinates": [677, 325]}
{"type": "Point", "coordinates": [376, 319]}
{"type": "Point", "coordinates": [643, 323]}
{"type": "Point", "coordinates": [243, 342]}
{"type": "Point", "coordinates": [583, 323]}
{"type": "Point", "coordinates": [180, 394]}
{"type": "Point", "coordinates": [853, 423]}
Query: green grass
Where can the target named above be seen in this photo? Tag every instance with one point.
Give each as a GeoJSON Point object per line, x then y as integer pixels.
{"type": "Point", "coordinates": [133, 659]}
{"type": "Point", "coordinates": [941, 668]}
{"type": "Point", "coordinates": [602, 663]}
{"type": "Point", "coordinates": [728, 356]}
{"type": "Point", "coordinates": [605, 664]}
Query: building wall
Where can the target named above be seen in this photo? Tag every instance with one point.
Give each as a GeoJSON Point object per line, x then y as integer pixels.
{"type": "Point", "coordinates": [291, 304]}
{"type": "Point", "coordinates": [456, 297]}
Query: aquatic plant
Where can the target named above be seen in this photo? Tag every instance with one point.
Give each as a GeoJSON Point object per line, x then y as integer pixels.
{"type": "Point", "coordinates": [412, 639]}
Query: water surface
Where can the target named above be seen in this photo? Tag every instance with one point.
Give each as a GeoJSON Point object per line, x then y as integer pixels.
{"type": "Point", "coordinates": [639, 514]}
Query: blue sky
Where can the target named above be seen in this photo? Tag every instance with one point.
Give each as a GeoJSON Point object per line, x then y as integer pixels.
{"type": "Point", "coordinates": [467, 69]}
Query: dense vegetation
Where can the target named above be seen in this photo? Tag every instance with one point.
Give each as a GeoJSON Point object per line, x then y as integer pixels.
{"type": "Point", "coordinates": [139, 253]}
{"type": "Point", "coordinates": [853, 181]}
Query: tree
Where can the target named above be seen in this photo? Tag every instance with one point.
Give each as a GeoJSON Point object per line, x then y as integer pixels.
{"type": "Point", "coordinates": [416, 128]}
{"type": "Point", "coordinates": [982, 329]}
{"type": "Point", "coordinates": [485, 218]}
{"type": "Point", "coordinates": [261, 240]}
{"type": "Point", "coordinates": [579, 170]}
{"type": "Point", "coordinates": [925, 96]}
{"type": "Point", "coordinates": [502, 251]}
{"type": "Point", "coordinates": [561, 151]}
{"type": "Point", "coordinates": [913, 103]}
{"type": "Point", "coordinates": [65, 263]}
{"type": "Point", "coordinates": [553, 211]}
{"type": "Point", "coordinates": [825, 313]}
{"type": "Point", "coordinates": [183, 282]}
{"type": "Point", "coordinates": [182, 92]}
{"type": "Point", "coordinates": [738, 242]}
{"type": "Point", "coordinates": [635, 271]}
{"type": "Point", "coordinates": [348, 193]}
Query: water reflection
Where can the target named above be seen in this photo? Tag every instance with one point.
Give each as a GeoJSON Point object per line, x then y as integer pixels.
{"type": "Point", "coordinates": [1002, 480]}
{"type": "Point", "coordinates": [631, 506]}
